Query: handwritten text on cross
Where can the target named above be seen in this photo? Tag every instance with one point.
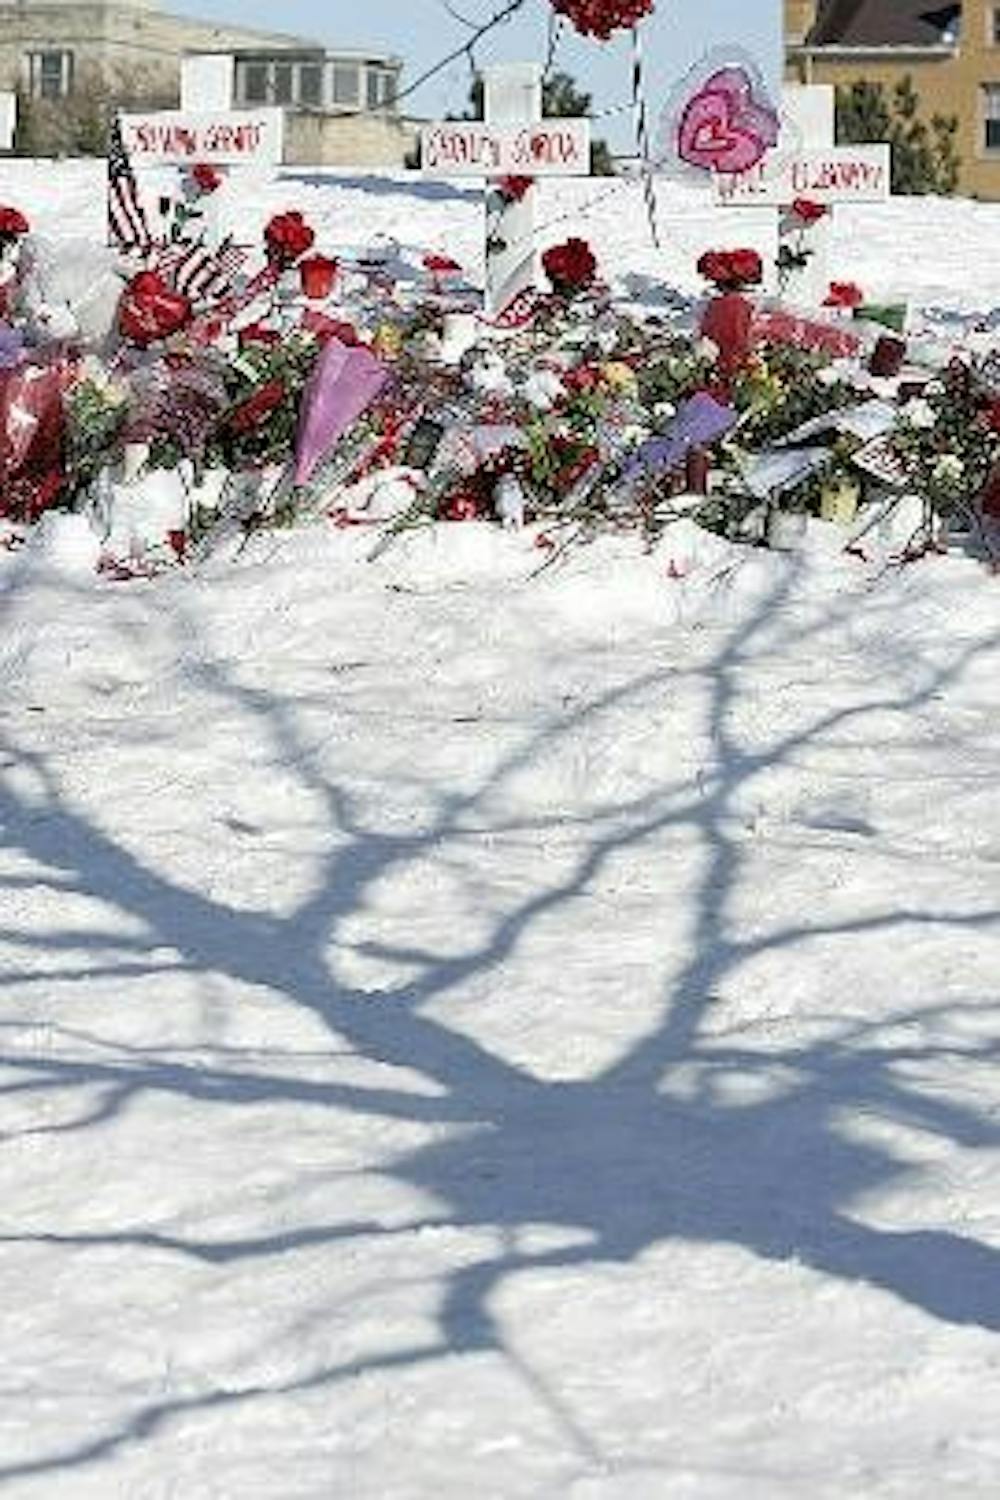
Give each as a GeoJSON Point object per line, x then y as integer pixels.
{"type": "Point", "coordinates": [554, 147]}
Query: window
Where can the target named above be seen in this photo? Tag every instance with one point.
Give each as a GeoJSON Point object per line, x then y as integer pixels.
{"type": "Point", "coordinates": [991, 116]}
{"type": "Point", "coordinates": [252, 83]}
{"type": "Point", "coordinates": [346, 83]}
{"type": "Point", "coordinates": [284, 81]}
{"type": "Point", "coordinates": [50, 74]}
{"type": "Point", "coordinates": [995, 26]}
{"type": "Point", "coordinates": [380, 88]}
{"type": "Point", "coordinates": [311, 85]}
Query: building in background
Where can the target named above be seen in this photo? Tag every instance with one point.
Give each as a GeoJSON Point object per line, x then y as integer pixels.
{"type": "Point", "coordinates": [951, 52]}
{"type": "Point", "coordinates": [69, 59]}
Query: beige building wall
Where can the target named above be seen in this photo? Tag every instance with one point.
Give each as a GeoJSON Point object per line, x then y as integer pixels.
{"type": "Point", "coordinates": [367, 141]}
{"type": "Point", "coordinates": [948, 82]}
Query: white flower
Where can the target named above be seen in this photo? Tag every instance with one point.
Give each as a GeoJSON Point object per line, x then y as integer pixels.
{"type": "Point", "coordinates": [948, 470]}
{"type": "Point", "coordinates": [490, 377]}
{"type": "Point", "coordinates": [919, 413]}
{"type": "Point", "coordinates": [707, 349]}
{"type": "Point", "coordinates": [833, 374]}
{"type": "Point", "coordinates": [542, 389]}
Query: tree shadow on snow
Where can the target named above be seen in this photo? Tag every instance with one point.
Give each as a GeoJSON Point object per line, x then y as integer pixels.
{"type": "Point", "coordinates": [427, 190]}
{"type": "Point", "coordinates": [694, 1134]}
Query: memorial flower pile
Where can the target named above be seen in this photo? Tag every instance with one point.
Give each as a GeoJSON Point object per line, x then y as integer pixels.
{"type": "Point", "coordinates": [319, 386]}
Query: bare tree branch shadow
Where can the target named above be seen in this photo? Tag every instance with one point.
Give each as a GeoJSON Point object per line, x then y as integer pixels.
{"type": "Point", "coordinates": [621, 1160]}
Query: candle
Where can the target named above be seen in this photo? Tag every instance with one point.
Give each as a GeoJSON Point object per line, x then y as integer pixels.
{"type": "Point", "coordinates": [317, 275]}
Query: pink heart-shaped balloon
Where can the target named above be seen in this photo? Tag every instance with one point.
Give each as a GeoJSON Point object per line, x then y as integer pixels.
{"type": "Point", "coordinates": [723, 128]}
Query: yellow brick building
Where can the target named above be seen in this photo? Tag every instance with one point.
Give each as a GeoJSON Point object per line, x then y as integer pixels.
{"type": "Point", "coordinates": [950, 50]}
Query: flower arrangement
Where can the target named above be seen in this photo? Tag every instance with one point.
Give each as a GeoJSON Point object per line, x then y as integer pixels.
{"type": "Point", "coordinates": [584, 417]}
{"type": "Point", "coordinates": [571, 267]}
{"type": "Point", "coordinates": [948, 440]}
{"type": "Point", "coordinates": [287, 238]}
{"type": "Point", "coordinates": [602, 18]}
{"type": "Point", "coordinates": [731, 270]}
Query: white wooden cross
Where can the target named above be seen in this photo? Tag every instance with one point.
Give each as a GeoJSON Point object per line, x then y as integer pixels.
{"type": "Point", "coordinates": [808, 164]}
{"type": "Point", "coordinates": [234, 141]}
{"type": "Point", "coordinates": [514, 140]}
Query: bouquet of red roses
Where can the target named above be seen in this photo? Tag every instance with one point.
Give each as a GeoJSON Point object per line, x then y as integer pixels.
{"type": "Point", "coordinates": [731, 270]}
{"type": "Point", "coordinates": [571, 267]}
{"type": "Point", "coordinates": [287, 238]}
{"type": "Point", "coordinates": [602, 17]}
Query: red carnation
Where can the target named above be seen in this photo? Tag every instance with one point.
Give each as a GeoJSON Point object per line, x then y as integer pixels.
{"type": "Point", "coordinates": [287, 238]}
{"type": "Point", "coordinates": [843, 294]}
{"type": "Point", "coordinates": [12, 222]}
{"type": "Point", "coordinates": [571, 267]}
{"type": "Point", "coordinates": [252, 412]}
{"type": "Point", "coordinates": [207, 179]}
{"type": "Point", "coordinates": [601, 17]}
{"type": "Point", "coordinates": [807, 211]}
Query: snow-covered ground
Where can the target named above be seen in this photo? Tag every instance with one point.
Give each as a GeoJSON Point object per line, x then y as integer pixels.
{"type": "Point", "coordinates": [466, 1033]}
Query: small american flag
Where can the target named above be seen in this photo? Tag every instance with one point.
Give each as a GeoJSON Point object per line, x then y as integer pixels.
{"type": "Point", "coordinates": [127, 226]}
{"type": "Point", "coordinates": [199, 272]}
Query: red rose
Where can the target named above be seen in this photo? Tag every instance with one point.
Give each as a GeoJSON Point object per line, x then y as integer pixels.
{"type": "Point", "coordinates": [460, 507]}
{"type": "Point", "coordinates": [12, 222]}
{"type": "Point", "coordinates": [843, 294]}
{"type": "Point", "coordinates": [571, 267]}
{"type": "Point", "coordinates": [991, 415]}
{"type": "Point", "coordinates": [582, 378]}
{"type": "Point", "coordinates": [731, 269]}
{"type": "Point", "coordinates": [807, 211]}
{"type": "Point", "coordinates": [601, 17]}
{"type": "Point", "coordinates": [747, 267]}
{"type": "Point", "coordinates": [252, 412]}
{"type": "Point", "coordinates": [514, 189]}
{"type": "Point", "coordinates": [257, 333]}
{"type": "Point", "coordinates": [288, 237]}
{"type": "Point", "coordinates": [207, 179]}
{"type": "Point", "coordinates": [150, 310]}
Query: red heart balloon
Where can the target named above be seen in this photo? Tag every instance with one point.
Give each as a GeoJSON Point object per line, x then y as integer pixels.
{"type": "Point", "coordinates": [151, 310]}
